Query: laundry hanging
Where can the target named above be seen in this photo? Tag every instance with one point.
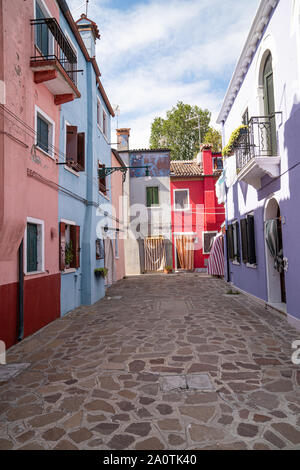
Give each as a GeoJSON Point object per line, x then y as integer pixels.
{"type": "Point", "coordinates": [272, 240]}
{"type": "Point", "coordinates": [215, 265]}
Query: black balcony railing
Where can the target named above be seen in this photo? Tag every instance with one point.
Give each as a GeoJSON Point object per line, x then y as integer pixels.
{"type": "Point", "coordinates": [259, 140]}
{"type": "Point", "coordinates": [50, 43]}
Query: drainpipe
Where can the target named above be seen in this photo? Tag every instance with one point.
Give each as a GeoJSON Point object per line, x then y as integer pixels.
{"type": "Point", "coordinates": [21, 294]}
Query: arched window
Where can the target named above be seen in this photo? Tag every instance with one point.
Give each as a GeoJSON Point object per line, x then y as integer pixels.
{"type": "Point", "coordinates": [269, 104]}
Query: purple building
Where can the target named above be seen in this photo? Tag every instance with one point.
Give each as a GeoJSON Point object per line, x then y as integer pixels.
{"type": "Point", "coordinates": [260, 116]}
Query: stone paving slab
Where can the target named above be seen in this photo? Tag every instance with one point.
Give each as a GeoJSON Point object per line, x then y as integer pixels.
{"type": "Point", "coordinates": [127, 373]}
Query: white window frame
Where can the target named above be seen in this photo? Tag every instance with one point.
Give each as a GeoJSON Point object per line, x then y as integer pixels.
{"type": "Point", "coordinates": [51, 131]}
{"type": "Point", "coordinates": [100, 114]}
{"type": "Point", "coordinates": [189, 203]}
{"type": "Point", "coordinates": [105, 131]}
{"type": "Point", "coordinates": [203, 233]}
{"type": "Point", "coordinates": [40, 246]}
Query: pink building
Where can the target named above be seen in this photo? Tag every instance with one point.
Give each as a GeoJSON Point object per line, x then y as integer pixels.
{"type": "Point", "coordinates": [117, 204]}
{"type": "Point", "coordinates": [34, 83]}
{"type": "Point", "coordinates": [196, 215]}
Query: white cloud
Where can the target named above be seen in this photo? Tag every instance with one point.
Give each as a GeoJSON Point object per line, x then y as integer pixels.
{"type": "Point", "coordinates": [153, 54]}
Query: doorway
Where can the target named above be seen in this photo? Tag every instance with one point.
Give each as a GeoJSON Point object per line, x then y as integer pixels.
{"type": "Point", "coordinates": [184, 252]}
{"type": "Point", "coordinates": [274, 254]}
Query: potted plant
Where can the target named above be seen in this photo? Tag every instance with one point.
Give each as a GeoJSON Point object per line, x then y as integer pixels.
{"type": "Point", "coordinates": [234, 138]}
{"type": "Point", "coordinates": [101, 272]}
{"type": "Point", "coordinates": [168, 269]}
{"type": "Point", "coordinates": [69, 254]}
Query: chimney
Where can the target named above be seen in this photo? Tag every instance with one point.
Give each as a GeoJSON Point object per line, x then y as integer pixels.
{"type": "Point", "coordinates": [206, 150]}
{"type": "Point", "coordinates": [123, 139]}
{"type": "Point", "coordinates": [89, 32]}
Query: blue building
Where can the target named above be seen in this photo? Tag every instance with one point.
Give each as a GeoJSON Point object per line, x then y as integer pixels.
{"type": "Point", "coordinates": [84, 148]}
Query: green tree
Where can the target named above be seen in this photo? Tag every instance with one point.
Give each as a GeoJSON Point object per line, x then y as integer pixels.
{"type": "Point", "coordinates": [213, 137]}
{"type": "Point", "coordinates": [178, 132]}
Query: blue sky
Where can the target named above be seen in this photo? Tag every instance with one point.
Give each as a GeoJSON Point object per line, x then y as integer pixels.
{"type": "Point", "coordinates": [153, 54]}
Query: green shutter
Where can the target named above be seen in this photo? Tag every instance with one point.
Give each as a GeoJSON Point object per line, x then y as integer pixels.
{"type": "Point", "coordinates": [152, 196]}
{"type": "Point", "coordinates": [244, 240]}
{"type": "Point", "coordinates": [32, 264]}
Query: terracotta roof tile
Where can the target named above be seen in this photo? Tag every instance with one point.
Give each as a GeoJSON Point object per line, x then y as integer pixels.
{"type": "Point", "coordinates": [186, 168]}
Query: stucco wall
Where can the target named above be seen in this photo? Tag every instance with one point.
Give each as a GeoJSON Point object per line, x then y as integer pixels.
{"type": "Point", "coordinates": [281, 38]}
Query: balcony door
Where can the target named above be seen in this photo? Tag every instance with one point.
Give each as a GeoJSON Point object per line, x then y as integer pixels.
{"type": "Point", "coordinates": [269, 105]}
{"type": "Point", "coordinates": [42, 32]}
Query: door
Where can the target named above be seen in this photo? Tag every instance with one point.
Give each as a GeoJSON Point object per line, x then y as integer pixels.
{"type": "Point", "coordinates": [155, 254]}
{"type": "Point", "coordinates": [282, 273]}
{"type": "Point", "coordinates": [269, 104]}
{"type": "Point", "coordinates": [109, 262]}
{"type": "Point", "coordinates": [185, 253]}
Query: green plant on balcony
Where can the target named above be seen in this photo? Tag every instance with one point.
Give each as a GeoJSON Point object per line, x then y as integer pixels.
{"type": "Point", "coordinates": [234, 138]}
{"type": "Point", "coordinates": [101, 272]}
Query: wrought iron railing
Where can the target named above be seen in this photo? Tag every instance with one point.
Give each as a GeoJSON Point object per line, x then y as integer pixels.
{"type": "Point", "coordinates": [258, 140]}
{"type": "Point", "coordinates": [50, 43]}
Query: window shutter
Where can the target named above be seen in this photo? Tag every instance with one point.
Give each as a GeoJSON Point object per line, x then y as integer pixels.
{"type": "Point", "coordinates": [237, 248]}
{"type": "Point", "coordinates": [155, 196]}
{"type": "Point", "coordinates": [230, 242]}
{"type": "Point", "coordinates": [251, 240]}
{"type": "Point", "coordinates": [75, 238]}
{"type": "Point", "coordinates": [32, 264]}
{"type": "Point", "coordinates": [62, 246]}
{"type": "Point", "coordinates": [71, 146]}
{"type": "Point", "coordinates": [244, 240]}
{"type": "Point", "coordinates": [81, 151]}
{"type": "Point", "coordinates": [148, 197]}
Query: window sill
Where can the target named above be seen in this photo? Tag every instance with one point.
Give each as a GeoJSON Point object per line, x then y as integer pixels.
{"type": "Point", "coordinates": [69, 271]}
{"type": "Point", "coordinates": [45, 153]}
{"type": "Point", "coordinates": [251, 266]}
{"type": "Point", "coordinates": [236, 263]}
{"type": "Point", "coordinates": [104, 195]}
{"type": "Point", "coordinates": [75, 173]}
{"type": "Point", "coordinates": [182, 210]}
{"type": "Point", "coordinates": [34, 273]}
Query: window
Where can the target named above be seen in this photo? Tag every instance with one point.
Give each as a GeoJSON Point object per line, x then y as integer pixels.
{"type": "Point", "coordinates": [104, 123]}
{"type": "Point", "coordinates": [69, 242]}
{"type": "Point", "coordinates": [45, 131]}
{"type": "Point", "coordinates": [100, 254]}
{"type": "Point", "coordinates": [42, 134]}
{"type": "Point", "coordinates": [42, 33]}
{"type": "Point", "coordinates": [233, 237]}
{"type": "Point", "coordinates": [34, 246]}
{"type": "Point", "coordinates": [245, 118]}
{"type": "Point", "coordinates": [208, 241]}
{"type": "Point", "coordinates": [218, 163]}
{"type": "Point", "coordinates": [117, 245]}
{"type": "Point", "coordinates": [75, 148]}
{"type": "Point", "coordinates": [102, 180]}
{"type": "Point", "coordinates": [248, 240]}
{"type": "Point", "coordinates": [152, 196]}
{"type": "Point", "coordinates": [99, 113]}
{"type": "Point", "coordinates": [181, 198]}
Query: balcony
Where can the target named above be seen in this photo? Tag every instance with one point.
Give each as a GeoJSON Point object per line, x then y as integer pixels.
{"type": "Point", "coordinates": [256, 151]}
{"type": "Point", "coordinates": [53, 61]}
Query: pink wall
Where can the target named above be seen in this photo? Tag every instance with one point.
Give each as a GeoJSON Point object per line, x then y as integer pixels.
{"type": "Point", "coordinates": [117, 203]}
{"type": "Point", "coordinates": [25, 196]}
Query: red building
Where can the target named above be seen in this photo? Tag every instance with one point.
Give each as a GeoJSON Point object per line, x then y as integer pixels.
{"type": "Point", "coordinates": [196, 215]}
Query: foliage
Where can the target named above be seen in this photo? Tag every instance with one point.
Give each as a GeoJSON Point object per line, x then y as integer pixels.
{"type": "Point", "coordinates": [178, 133]}
{"type": "Point", "coordinates": [101, 272]}
{"type": "Point", "coordinates": [232, 292]}
{"type": "Point", "coordinates": [214, 138]}
{"type": "Point", "coordinates": [169, 268]}
{"type": "Point", "coordinates": [228, 149]}
{"type": "Point", "coordinates": [69, 253]}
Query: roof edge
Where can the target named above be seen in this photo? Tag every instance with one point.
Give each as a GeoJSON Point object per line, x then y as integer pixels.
{"type": "Point", "coordinates": [260, 21]}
